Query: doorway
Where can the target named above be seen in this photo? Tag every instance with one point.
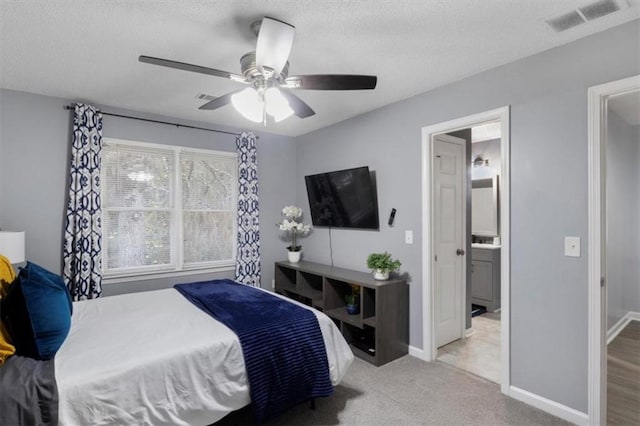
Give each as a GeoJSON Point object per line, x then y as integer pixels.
{"type": "Point", "coordinates": [431, 298]}
{"type": "Point", "coordinates": [478, 349]}
{"type": "Point", "coordinates": [614, 252]}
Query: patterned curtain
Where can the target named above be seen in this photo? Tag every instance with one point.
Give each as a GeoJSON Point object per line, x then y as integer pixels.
{"type": "Point", "coordinates": [82, 270]}
{"type": "Point", "coordinates": [248, 256]}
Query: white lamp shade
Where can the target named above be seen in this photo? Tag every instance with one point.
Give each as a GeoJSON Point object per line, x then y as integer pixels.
{"type": "Point", "coordinates": [252, 104]}
{"type": "Point", "coordinates": [277, 105]}
{"type": "Point", "coordinates": [12, 246]}
{"type": "Point", "coordinates": [249, 104]}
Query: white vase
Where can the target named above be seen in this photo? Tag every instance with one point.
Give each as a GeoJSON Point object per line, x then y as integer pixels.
{"type": "Point", "coordinates": [294, 256]}
{"type": "Point", "coordinates": [380, 274]}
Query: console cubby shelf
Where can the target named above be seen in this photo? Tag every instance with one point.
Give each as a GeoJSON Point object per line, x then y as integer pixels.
{"type": "Point", "coordinates": [379, 332]}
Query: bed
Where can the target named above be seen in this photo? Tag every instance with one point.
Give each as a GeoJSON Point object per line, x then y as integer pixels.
{"type": "Point", "coordinates": [155, 358]}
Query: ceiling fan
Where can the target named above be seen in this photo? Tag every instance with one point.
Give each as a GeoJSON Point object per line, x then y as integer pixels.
{"type": "Point", "coordinates": [266, 72]}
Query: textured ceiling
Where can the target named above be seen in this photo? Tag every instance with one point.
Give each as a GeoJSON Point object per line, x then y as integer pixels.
{"type": "Point", "coordinates": [87, 50]}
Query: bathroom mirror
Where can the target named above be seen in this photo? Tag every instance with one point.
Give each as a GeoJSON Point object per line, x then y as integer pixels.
{"type": "Point", "coordinates": [484, 207]}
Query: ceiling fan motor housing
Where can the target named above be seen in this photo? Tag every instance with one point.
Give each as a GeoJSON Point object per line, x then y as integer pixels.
{"type": "Point", "coordinates": [251, 72]}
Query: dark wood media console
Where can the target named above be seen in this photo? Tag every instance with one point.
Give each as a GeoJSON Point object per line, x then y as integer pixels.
{"type": "Point", "coordinates": [379, 333]}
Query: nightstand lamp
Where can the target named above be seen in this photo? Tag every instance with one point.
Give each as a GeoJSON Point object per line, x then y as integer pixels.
{"type": "Point", "coordinates": [12, 246]}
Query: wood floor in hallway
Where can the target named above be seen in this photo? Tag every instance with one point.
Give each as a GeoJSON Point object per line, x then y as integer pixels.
{"type": "Point", "coordinates": [623, 377]}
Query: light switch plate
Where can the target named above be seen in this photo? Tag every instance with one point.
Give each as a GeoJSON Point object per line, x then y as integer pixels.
{"type": "Point", "coordinates": [408, 237]}
{"type": "Point", "coordinates": [572, 246]}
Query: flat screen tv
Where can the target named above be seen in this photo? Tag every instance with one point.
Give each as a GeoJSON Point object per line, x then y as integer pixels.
{"type": "Point", "coordinates": [343, 199]}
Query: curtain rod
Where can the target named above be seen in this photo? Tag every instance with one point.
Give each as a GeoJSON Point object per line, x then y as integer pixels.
{"type": "Point", "coordinates": [72, 107]}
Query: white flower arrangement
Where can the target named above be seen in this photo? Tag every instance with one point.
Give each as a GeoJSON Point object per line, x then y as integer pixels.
{"type": "Point", "coordinates": [291, 213]}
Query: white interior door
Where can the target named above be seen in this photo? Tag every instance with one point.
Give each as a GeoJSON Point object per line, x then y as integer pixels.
{"type": "Point", "coordinates": [448, 236]}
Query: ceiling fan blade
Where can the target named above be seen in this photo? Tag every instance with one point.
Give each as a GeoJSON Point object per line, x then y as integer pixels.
{"type": "Point", "coordinates": [274, 44]}
{"type": "Point", "coordinates": [299, 107]}
{"type": "Point", "coordinates": [219, 101]}
{"type": "Point", "coordinates": [331, 82]}
{"type": "Point", "coordinates": [190, 67]}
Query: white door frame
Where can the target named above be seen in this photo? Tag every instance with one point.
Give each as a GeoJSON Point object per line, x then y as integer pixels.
{"type": "Point", "coordinates": [428, 321]}
{"type": "Point", "coordinates": [597, 104]}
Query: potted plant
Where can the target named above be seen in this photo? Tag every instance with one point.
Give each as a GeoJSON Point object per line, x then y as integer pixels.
{"type": "Point", "coordinates": [353, 300]}
{"type": "Point", "coordinates": [381, 264]}
{"type": "Point", "coordinates": [292, 226]}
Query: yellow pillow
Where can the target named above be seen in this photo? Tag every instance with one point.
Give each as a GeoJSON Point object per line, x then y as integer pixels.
{"type": "Point", "coordinates": [7, 275]}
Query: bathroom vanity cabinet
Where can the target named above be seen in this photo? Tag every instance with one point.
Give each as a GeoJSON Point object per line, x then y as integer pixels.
{"type": "Point", "coordinates": [485, 276]}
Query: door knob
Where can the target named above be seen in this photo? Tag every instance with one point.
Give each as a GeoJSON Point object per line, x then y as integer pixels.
{"type": "Point", "coordinates": [460, 252]}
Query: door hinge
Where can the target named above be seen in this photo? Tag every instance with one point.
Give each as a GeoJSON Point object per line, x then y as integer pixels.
{"type": "Point", "coordinates": [436, 257]}
{"type": "Point", "coordinates": [602, 281]}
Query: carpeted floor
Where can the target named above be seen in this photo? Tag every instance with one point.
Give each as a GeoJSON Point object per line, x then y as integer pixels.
{"type": "Point", "coordinates": [409, 392]}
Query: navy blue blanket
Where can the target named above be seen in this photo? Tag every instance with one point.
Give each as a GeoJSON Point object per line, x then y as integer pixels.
{"type": "Point", "coordinates": [282, 343]}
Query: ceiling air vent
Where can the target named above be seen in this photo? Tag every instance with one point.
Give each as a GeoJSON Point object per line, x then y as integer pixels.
{"type": "Point", "coordinates": [205, 97]}
{"type": "Point", "coordinates": [585, 14]}
{"type": "Point", "coordinates": [566, 21]}
{"type": "Point", "coordinates": [599, 9]}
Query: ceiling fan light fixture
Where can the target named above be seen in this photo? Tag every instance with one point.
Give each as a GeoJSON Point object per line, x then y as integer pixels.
{"type": "Point", "coordinates": [277, 105]}
{"type": "Point", "coordinates": [266, 71]}
{"type": "Point", "coordinates": [248, 103]}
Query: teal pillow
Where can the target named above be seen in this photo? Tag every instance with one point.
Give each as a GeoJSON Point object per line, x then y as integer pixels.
{"type": "Point", "coordinates": [37, 312]}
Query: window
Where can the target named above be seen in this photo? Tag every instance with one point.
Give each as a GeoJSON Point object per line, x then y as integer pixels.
{"type": "Point", "coordinates": [166, 208]}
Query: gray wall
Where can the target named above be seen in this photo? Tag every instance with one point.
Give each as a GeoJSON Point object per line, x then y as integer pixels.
{"type": "Point", "coordinates": [548, 98]}
{"type": "Point", "coordinates": [623, 218]}
{"type": "Point", "coordinates": [34, 156]}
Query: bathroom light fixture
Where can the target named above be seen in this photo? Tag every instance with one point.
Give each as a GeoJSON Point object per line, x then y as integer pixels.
{"type": "Point", "coordinates": [478, 162]}
{"type": "Point", "coordinates": [255, 104]}
{"type": "Point", "coordinates": [481, 169]}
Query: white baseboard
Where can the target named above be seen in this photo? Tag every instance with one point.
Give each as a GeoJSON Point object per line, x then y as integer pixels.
{"type": "Point", "coordinates": [567, 413]}
{"type": "Point", "coordinates": [417, 352]}
{"type": "Point", "coordinates": [469, 332]}
{"type": "Point", "coordinates": [621, 324]}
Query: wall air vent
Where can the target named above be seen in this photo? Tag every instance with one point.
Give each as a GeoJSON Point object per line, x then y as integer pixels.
{"type": "Point", "coordinates": [599, 9]}
{"type": "Point", "coordinates": [585, 14]}
{"type": "Point", "coordinates": [205, 97]}
{"type": "Point", "coordinates": [566, 21]}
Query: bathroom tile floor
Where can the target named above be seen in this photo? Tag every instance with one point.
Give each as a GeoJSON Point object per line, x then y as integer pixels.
{"type": "Point", "coordinates": [479, 353]}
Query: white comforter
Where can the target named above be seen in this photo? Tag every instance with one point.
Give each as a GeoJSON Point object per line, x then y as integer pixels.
{"type": "Point", "coordinates": [154, 358]}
